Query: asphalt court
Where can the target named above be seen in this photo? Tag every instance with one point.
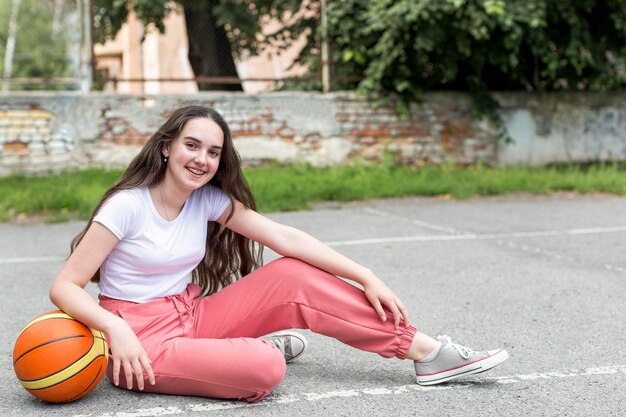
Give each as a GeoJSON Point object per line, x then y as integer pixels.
{"type": "Point", "coordinates": [542, 276]}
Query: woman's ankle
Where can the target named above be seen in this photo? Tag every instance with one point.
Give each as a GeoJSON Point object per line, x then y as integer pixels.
{"type": "Point", "coordinates": [421, 346]}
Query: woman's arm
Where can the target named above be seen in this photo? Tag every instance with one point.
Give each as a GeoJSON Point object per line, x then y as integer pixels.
{"type": "Point", "coordinates": [67, 292]}
{"type": "Point", "coordinates": [292, 242]}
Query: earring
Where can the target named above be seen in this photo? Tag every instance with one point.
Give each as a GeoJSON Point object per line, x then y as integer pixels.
{"type": "Point", "coordinates": [165, 159]}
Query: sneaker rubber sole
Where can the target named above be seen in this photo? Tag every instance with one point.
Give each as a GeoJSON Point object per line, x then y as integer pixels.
{"type": "Point", "coordinates": [476, 367]}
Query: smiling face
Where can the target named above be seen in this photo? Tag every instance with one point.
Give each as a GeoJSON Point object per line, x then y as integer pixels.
{"type": "Point", "coordinates": [194, 156]}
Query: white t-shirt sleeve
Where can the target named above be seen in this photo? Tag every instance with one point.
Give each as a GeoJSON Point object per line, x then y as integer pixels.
{"type": "Point", "coordinates": [119, 213]}
{"type": "Point", "coordinates": [217, 201]}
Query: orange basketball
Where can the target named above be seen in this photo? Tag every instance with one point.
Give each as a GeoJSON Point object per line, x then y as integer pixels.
{"type": "Point", "coordinates": [59, 359]}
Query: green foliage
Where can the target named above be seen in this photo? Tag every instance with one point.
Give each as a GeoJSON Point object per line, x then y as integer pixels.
{"type": "Point", "coordinates": [295, 187]}
{"type": "Point", "coordinates": [109, 15]}
{"type": "Point", "coordinates": [408, 46]}
{"type": "Point", "coordinates": [404, 47]}
{"type": "Point", "coordinates": [39, 50]}
{"type": "Point", "coordinates": [243, 19]}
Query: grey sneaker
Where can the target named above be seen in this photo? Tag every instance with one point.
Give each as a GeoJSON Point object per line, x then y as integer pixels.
{"type": "Point", "coordinates": [454, 361]}
{"type": "Point", "coordinates": [291, 344]}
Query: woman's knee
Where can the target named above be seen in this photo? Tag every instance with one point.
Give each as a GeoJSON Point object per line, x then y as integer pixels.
{"type": "Point", "coordinates": [267, 369]}
{"type": "Point", "coordinates": [248, 369]}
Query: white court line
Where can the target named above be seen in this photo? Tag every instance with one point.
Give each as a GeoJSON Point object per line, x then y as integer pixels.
{"type": "Point", "coordinates": [398, 239]}
{"type": "Point", "coordinates": [474, 236]}
{"type": "Point", "coordinates": [421, 223]}
{"type": "Point", "coordinates": [353, 393]}
{"type": "Point", "coordinates": [31, 260]}
{"type": "Point", "coordinates": [478, 236]}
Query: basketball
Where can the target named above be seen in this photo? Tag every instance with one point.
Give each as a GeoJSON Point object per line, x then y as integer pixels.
{"type": "Point", "coordinates": [58, 359]}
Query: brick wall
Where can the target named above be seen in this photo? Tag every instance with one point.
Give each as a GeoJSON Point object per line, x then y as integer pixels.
{"type": "Point", "coordinates": [438, 130]}
{"type": "Point", "coordinates": [27, 135]}
{"type": "Point", "coordinates": [42, 133]}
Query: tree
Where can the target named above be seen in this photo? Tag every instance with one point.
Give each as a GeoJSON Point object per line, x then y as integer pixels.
{"type": "Point", "coordinates": [408, 46]}
{"type": "Point", "coordinates": [216, 29]}
{"type": "Point", "coordinates": [32, 57]}
{"type": "Point", "coordinates": [209, 49]}
{"type": "Point", "coordinates": [10, 44]}
{"type": "Point", "coordinates": [404, 47]}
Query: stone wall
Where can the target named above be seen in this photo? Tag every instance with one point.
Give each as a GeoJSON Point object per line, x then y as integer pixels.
{"type": "Point", "coordinates": [41, 133]}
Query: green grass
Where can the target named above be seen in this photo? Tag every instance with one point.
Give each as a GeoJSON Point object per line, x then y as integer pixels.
{"type": "Point", "coordinates": [281, 188]}
{"type": "Point", "coordinates": [57, 197]}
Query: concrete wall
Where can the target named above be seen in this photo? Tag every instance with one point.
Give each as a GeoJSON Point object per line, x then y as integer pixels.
{"type": "Point", "coordinates": [41, 133]}
{"type": "Point", "coordinates": [564, 127]}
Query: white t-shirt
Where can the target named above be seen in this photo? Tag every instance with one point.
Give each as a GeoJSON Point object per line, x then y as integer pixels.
{"type": "Point", "coordinates": [154, 258]}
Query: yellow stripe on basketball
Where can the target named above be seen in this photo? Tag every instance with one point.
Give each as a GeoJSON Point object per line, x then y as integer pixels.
{"type": "Point", "coordinates": [97, 334]}
{"type": "Point", "coordinates": [76, 367]}
{"type": "Point", "coordinates": [60, 315]}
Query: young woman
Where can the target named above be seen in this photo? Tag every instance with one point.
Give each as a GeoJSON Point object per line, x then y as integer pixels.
{"type": "Point", "coordinates": [183, 299]}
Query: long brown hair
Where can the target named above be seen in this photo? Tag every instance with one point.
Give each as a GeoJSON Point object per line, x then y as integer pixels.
{"type": "Point", "coordinates": [229, 256]}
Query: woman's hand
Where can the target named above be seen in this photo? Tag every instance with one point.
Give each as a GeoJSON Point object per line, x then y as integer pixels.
{"type": "Point", "coordinates": [380, 295]}
{"type": "Point", "coordinates": [127, 353]}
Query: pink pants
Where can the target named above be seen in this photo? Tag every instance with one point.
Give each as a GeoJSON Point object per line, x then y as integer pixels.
{"type": "Point", "coordinates": [210, 346]}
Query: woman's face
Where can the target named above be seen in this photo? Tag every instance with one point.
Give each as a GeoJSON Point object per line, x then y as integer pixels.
{"type": "Point", "coordinates": [194, 155]}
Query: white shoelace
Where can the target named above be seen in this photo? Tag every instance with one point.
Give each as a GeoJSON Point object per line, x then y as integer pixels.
{"type": "Point", "coordinates": [283, 344]}
{"type": "Point", "coordinates": [279, 343]}
{"type": "Point", "coordinates": [465, 352]}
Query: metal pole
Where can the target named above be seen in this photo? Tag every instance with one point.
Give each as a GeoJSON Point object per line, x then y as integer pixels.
{"type": "Point", "coordinates": [86, 47]}
{"type": "Point", "coordinates": [324, 49]}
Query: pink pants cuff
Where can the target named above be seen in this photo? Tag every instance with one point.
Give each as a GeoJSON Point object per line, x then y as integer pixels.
{"type": "Point", "coordinates": [210, 346]}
